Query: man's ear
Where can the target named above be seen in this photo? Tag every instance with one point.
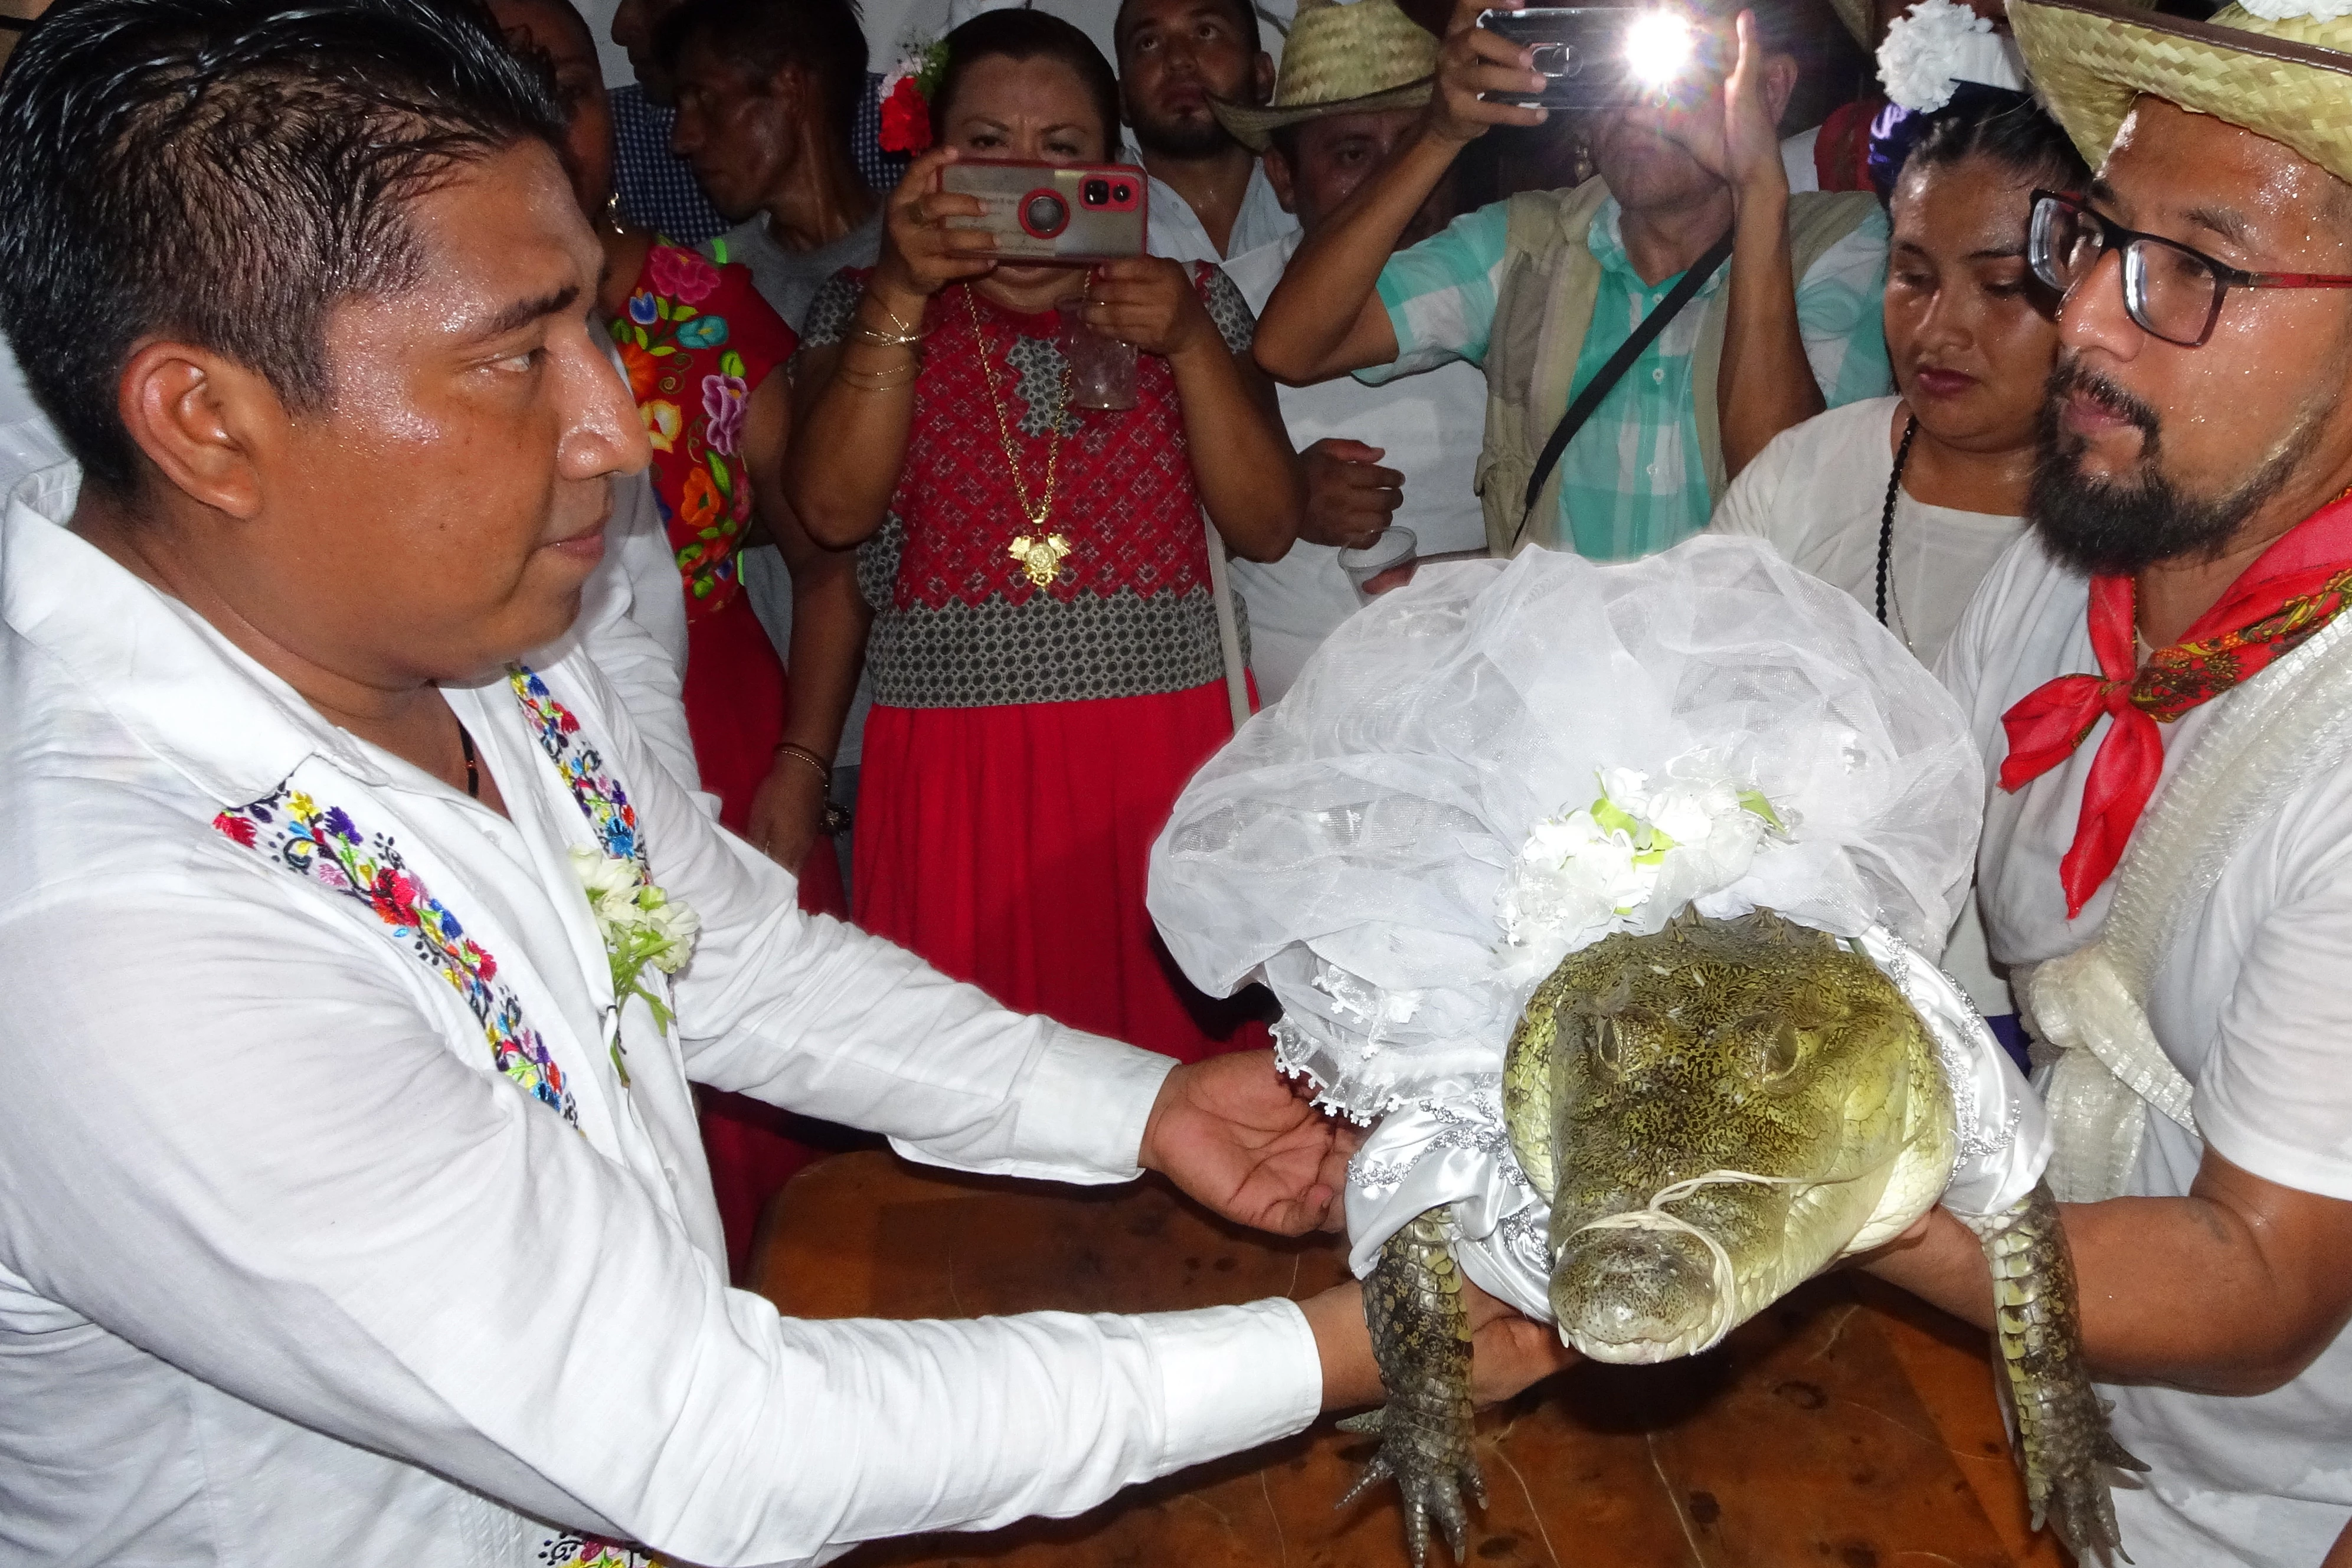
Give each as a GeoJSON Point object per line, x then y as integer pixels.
{"type": "Point", "coordinates": [202, 420]}
{"type": "Point", "coordinates": [1262, 79]}
{"type": "Point", "coordinates": [1780, 84]}
{"type": "Point", "coordinates": [1277, 175]}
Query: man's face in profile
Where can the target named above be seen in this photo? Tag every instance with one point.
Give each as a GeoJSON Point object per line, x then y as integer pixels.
{"type": "Point", "coordinates": [441, 514]}
{"type": "Point", "coordinates": [735, 129]}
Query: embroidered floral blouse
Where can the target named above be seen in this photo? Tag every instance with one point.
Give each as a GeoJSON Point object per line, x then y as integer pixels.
{"type": "Point", "coordinates": [697, 340]}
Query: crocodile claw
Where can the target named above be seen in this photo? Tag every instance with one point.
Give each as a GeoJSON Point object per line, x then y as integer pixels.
{"type": "Point", "coordinates": [1434, 1466]}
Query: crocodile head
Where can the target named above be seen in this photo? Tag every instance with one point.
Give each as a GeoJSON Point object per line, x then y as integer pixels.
{"type": "Point", "coordinates": [1715, 1113]}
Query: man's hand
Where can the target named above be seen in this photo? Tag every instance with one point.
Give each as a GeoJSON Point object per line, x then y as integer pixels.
{"type": "Point", "coordinates": [1233, 1133]}
{"type": "Point", "coordinates": [1742, 147]}
{"type": "Point", "coordinates": [1471, 63]}
{"type": "Point", "coordinates": [1508, 1350]}
{"type": "Point", "coordinates": [1349, 498]}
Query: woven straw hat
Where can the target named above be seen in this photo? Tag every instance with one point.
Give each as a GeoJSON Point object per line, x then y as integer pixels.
{"type": "Point", "coordinates": [1855, 14]}
{"type": "Point", "coordinates": [2289, 79]}
{"type": "Point", "coordinates": [1340, 59]}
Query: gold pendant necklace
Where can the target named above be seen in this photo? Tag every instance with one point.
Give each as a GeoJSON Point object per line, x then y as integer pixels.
{"type": "Point", "coordinates": [1038, 553]}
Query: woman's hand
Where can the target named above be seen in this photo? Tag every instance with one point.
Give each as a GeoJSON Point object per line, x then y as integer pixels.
{"type": "Point", "coordinates": [920, 254]}
{"type": "Point", "coordinates": [1471, 63]}
{"type": "Point", "coordinates": [1149, 301]}
{"type": "Point", "coordinates": [787, 812]}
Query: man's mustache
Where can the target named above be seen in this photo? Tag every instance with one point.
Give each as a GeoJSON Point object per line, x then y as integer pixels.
{"type": "Point", "coordinates": [2070, 378]}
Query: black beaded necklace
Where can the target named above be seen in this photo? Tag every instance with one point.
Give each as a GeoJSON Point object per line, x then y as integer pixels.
{"type": "Point", "coordinates": [1886, 517]}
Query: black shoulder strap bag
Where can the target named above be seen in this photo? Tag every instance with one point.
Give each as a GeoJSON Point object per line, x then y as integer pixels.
{"type": "Point", "coordinates": [1656, 321]}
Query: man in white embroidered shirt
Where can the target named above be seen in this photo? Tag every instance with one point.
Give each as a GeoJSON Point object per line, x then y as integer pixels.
{"type": "Point", "coordinates": [344, 1218]}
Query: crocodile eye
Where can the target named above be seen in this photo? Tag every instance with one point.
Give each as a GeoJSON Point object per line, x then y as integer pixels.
{"type": "Point", "coordinates": [1778, 1054]}
{"type": "Point", "coordinates": [1605, 1048]}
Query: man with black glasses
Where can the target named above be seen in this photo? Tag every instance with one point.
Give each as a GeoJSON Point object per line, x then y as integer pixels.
{"type": "Point", "coordinates": [2161, 679]}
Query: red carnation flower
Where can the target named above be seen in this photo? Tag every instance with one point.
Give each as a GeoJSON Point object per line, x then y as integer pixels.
{"type": "Point", "coordinates": [906, 119]}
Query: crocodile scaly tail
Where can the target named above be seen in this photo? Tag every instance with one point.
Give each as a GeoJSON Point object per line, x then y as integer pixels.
{"type": "Point", "coordinates": [2062, 1422]}
{"type": "Point", "coordinates": [1420, 1337]}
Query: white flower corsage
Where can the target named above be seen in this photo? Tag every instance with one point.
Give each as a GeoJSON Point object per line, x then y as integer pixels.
{"type": "Point", "coordinates": [1936, 45]}
{"type": "Point", "coordinates": [641, 926]}
{"type": "Point", "coordinates": [1582, 876]}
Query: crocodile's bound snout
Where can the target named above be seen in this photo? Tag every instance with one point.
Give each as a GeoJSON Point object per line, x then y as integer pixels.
{"type": "Point", "coordinates": [1634, 1295]}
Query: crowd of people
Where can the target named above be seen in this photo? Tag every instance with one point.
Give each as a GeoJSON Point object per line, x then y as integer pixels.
{"type": "Point", "coordinates": [781, 497]}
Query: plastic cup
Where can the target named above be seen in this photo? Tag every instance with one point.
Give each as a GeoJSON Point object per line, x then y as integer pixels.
{"type": "Point", "coordinates": [1102, 370]}
{"type": "Point", "coordinates": [1387, 562]}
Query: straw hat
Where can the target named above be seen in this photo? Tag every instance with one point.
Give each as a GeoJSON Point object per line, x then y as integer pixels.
{"type": "Point", "coordinates": [1855, 14]}
{"type": "Point", "coordinates": [2288, 78]}
{"type": "Point", "coordinates": [1340, 59]}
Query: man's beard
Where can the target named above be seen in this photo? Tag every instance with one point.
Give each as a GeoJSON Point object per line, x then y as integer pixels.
{"type": "Point", "coordinates": [2111, 528]}
{"type": "Point", "coordinates": [1180, 139]}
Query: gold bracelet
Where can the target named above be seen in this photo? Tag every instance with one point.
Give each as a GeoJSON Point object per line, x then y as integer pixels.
{"type": "Point", "coordinates": [905, 331]}
{"type": "Point", "coordinates": [865, 334]}
{"type": "Point", "coordinates": [800, 753]}
{"type": "Point", "coordinates": [880, 380]}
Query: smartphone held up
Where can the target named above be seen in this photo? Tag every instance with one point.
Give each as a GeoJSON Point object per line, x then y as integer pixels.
{"type": "Point", "coordinates": [1076, 212]}
{"type": "Point", "coordinates": [1604, 57]}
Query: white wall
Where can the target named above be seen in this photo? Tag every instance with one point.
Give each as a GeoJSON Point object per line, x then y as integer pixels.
{"type": "Point", "coordinates": [888, 23]}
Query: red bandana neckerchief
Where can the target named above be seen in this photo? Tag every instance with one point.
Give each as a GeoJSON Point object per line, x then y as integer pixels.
{"type": "Point", "coordinates": [2290, 591]}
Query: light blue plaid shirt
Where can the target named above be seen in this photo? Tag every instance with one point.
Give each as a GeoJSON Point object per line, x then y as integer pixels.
{"type": "Point", "coordinates": [1633, 481]}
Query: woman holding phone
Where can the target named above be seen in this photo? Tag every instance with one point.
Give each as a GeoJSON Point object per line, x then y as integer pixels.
{"type": "Point", "coordinates": [1044, 652]}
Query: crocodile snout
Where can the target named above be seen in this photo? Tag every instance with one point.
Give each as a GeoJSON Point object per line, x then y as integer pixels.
{"type": "Point", "coordinates": [1634, 1296]}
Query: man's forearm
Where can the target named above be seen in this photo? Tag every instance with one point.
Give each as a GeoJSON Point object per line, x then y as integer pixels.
{"type": "Point", "coordinates": [2174, 1290]}
{"type": "Point", "coordinates": [1765, 384]}
{"type": "Point", "coordinates": [1320, 321]}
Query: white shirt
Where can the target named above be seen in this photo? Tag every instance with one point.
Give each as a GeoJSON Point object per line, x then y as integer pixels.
{"type": "Point", "coordinates": [2250, 1005]}
{"type": "Point", "coordinates": [1817, 493]}
{"type": "Point", "coordinates": [1430, 427]}
{"type": "Point", "coordinates": [28, 442]}
{"type": "Point", "coordinates": [1175, 230]}
{"type": "Point", "coordinates": [289, 1276]}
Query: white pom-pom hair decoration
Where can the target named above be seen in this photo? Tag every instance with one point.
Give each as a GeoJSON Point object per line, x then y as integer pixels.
{"type": "Point", "coordinates": [1937, 45]}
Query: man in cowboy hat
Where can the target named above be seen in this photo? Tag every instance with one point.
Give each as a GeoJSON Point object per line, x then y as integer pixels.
{"type": "Point", "coordinates": [1549, 293]}
{"type": "Point", "coordinates": [1354, 78]}
{"type": "Point", "coordinates": [2158, 673]}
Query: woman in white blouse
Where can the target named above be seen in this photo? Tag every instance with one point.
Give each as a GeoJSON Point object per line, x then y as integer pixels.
{"type": "Point", "coordinates": [1906, 502]}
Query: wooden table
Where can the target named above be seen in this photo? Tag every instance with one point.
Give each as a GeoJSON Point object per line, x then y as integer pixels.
{"type": "Point", "coordinates": [1844, 1429]}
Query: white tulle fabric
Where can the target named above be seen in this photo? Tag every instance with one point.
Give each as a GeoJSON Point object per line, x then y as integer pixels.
{"type": "Point", "coordinates": [1351, 845]}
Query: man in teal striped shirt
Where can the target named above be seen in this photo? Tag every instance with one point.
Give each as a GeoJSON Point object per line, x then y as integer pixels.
{"type": "Point", "coordinates": [1540, 291]}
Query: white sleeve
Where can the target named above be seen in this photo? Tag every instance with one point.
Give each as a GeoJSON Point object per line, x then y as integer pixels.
{"type": "Point", "coordinates": [805, 1011]}
{"type": "Point", "coordinates": [253, 1153]}
{"type": "Point", "coordinates": [1752, 504]}
{"type": "Point", "coordinates": [632, 623]}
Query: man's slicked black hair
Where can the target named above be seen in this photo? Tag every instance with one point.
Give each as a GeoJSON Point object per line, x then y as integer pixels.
{"type": "Point", "coordinates": [825, 39]}
{"type": "Point", "coordinates": [226, 173]}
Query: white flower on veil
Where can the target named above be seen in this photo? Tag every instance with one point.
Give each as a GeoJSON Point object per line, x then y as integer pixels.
{"type": "Point", "coordinates": [1936, 45]}
{"type": "Point", "coordinates": [1587, 873]}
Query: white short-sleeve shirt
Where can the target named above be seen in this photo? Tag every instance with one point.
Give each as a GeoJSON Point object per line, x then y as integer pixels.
{"type": "Point", "coordinates": [2251, 1004]}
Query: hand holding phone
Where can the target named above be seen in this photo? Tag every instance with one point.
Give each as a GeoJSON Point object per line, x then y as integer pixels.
{"type": "Point", "coordinates": [1478, 73]}
{"type": "Point", "coordinates": [1591, 57]}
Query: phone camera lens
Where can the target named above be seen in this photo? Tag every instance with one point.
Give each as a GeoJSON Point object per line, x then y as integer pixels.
{"type": "Point", "coordinates": [1122, 194]}
{"type": "Point", "coordinates": [1045, 214]}
{"type": "Point", "coordinates": [1097, 192]}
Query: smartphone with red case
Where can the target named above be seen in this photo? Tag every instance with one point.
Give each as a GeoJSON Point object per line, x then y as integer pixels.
{"type": "Point", "coordinates": [1078, 212]}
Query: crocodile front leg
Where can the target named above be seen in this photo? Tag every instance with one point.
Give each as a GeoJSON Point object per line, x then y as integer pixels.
{"type": "Point", "coordinates": [1420, 1337]}
{"type": "Point", "coordinates": [2062, 1422]}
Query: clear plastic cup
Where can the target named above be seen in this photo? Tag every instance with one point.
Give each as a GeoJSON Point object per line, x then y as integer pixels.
{"type": "Point", "coordinates": [1387, 562]}
{"type": "Point", "coordinates": [1102, 370]}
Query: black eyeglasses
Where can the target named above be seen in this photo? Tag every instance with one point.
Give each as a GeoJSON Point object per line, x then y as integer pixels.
{"type": "Point", "coordinates": [2170, 290]}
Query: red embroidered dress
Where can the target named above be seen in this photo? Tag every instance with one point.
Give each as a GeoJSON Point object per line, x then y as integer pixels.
{"type": "Point", "coordinates": [1028, 741]}
{"type": "Point", "coordinates": [697, 340]}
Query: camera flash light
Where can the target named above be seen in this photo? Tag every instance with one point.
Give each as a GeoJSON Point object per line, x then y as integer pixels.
{"type": "Point", "coordinates": [1658, 45]}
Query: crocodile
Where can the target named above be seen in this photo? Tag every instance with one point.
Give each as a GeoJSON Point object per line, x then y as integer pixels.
{"type": "Point", "coordinates": [1716, 1112]}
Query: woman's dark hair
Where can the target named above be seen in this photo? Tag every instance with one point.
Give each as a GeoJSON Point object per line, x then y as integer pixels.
{"type": "Point", "coordinates": [229, 172]}
{"type": "Point", "coordinates": [1992, 122]}
{"type": "Point", "coordinates": [1024, 34]}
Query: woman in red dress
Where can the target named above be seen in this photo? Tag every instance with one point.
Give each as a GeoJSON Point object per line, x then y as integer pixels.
{"type": "Point", "coordinates": [704, 354]}
{"type": "Point", "coordinates": [1045, 650]}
